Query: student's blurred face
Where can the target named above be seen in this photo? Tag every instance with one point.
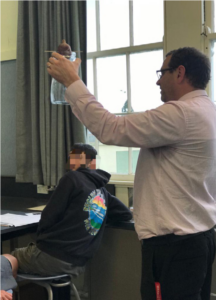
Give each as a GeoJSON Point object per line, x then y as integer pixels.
{"type": "Point", "coordinates": [78, 160]}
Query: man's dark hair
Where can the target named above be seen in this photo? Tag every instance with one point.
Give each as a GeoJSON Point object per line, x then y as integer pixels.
{"type": "Point", "coordinates": [89, 151]}
{"type": "Point", "coordinates": [197, 65]}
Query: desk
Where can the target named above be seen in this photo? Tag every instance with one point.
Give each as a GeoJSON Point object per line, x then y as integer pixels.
{"type": "Point", "coordinates": [19, 206]}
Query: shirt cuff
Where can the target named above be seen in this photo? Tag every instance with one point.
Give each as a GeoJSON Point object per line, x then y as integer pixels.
{"type": "Point", "coordinates": [74, 91]}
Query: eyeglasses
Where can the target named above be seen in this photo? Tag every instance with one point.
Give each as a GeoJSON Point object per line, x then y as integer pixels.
{"type": "Point", "coordinates": [161, 72]}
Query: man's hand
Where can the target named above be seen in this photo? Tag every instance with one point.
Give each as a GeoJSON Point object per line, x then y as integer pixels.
{"type": "Point", "coordinates": [63, 70]}
{"type": "Point", "coordinates": [5, 295]}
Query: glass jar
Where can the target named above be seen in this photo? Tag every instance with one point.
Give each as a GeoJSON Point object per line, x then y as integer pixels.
{"type": "Point", "coordinates": [57, 93]}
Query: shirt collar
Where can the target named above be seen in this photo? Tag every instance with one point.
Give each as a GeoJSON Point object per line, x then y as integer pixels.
{"type": "Point", "coordinates": [193, 94]}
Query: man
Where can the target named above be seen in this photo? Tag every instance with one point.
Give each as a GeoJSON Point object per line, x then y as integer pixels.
{"type": "Point", "coordinates": [9, 267]}
{"type": "Point", "coordinates": [175, 180]}
{"type": "Point", "coordinates": [73, 221]}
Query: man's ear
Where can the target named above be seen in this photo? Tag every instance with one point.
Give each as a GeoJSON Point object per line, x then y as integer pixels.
{"type": "Point", "coordinates": [181, 73]}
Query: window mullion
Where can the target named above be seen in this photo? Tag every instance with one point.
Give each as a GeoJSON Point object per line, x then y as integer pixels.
{"type": "Point", "coordinates": [131, 23]}
{"type": "Point", "coordinates": [95, 77]}
{"type": "Point", "coordinates": [212, 82]}
{"type": "Point", "coordinates": [129, 161]}
{"type": "Point", "coordinates": [122, 51]}
{"type": "Point", "coordinates": [96, 94]}
{"type": "Point", "coordinates": [129, 106]}
{"type": "Point", "coordinates": [97, 9]}
{"type": "Point", "coordinates": [128, 81]}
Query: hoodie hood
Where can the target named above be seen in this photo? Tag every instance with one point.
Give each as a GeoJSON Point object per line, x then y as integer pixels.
{"type": "Point", "coordinates": [99, 177]}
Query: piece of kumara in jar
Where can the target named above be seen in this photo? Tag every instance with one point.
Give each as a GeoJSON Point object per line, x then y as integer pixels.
{"type": "Point", "coordinates": [64, 49]}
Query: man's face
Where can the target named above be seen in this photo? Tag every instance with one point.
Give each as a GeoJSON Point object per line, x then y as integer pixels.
{"type": "Point", "coordinates": [167, 82]}
{"type": "Point", "coordinates": [78, 160]}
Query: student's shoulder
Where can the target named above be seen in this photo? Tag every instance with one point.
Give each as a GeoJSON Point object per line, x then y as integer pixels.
{"type": "Point", "coordinates": [73, 174]}
{"type": "Point", "coordinates": [70, 176]}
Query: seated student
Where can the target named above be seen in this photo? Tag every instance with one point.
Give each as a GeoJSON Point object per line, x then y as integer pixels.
{"type": "Point", "coordinates": [73, 222]}
{"type": "Point", "coordinates": [9, 267]}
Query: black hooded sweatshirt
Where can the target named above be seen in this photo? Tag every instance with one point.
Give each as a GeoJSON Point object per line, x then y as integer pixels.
{"type": "Point", "coordinates": [73, 221]}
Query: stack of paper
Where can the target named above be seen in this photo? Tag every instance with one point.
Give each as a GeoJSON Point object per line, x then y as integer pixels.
{"type": "Point", "coordinates": [19, 220]}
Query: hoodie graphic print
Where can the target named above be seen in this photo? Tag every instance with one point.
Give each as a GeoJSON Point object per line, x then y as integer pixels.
{"type": "Point", "coordinates": [96, 207]}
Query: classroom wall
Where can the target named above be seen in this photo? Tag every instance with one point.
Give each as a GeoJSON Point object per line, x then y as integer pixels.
{"type": "Point", "coordinates": [9, 16]}
{"type": "Point", "coordinates": [8, 118]}
{"type": "Point", "coordinates": [183, 25]}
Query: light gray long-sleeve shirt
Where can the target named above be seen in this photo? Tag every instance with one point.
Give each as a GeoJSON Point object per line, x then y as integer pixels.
{"type": "Point", "coordinates": [175, 180]}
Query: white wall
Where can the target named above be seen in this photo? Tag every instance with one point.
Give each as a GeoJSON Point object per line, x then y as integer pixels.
{"type": "Point", "coordinates": [9, 17]}
{"type": "Point", "coordinates": [183, 25]}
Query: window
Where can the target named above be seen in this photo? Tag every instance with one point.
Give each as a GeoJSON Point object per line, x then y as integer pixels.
{"type": "Point", "coordinates": [210, 42]}
{"type": "Point", "coordinates": [123, 44]}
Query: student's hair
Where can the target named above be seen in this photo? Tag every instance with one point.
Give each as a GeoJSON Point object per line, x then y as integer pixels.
{"type": "Point", "coordinates": [197, 65]}
{"type": "Point", "coordinates": [89, 151]}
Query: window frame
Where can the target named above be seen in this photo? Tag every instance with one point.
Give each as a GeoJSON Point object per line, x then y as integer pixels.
{"type": "Point", "coordinates": [127, 51]}
{"type": "Point", "coordinates": [209, 37]}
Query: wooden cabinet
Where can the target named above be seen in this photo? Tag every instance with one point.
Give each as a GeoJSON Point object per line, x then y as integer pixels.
{"type": "Point", "coordinates": [116, 267]}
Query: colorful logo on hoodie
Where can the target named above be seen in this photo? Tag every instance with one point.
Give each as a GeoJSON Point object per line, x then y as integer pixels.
{"type": "Point", "coordinates": [96, 206]}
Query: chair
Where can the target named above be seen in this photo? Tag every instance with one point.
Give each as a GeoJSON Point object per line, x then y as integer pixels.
{"type": "Point", "coordinates": [50, 281]}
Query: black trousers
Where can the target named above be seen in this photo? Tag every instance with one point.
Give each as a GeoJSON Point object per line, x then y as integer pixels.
{"type": "Point", "coordinates": [182, 265]}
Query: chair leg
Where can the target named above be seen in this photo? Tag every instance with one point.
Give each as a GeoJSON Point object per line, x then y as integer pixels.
{"type": "Point", "coordinates": [48, 288]}
{"type": "Point", "coordinates": [73, 287]}
{"type": "Point", "coordinates": [16, 293]}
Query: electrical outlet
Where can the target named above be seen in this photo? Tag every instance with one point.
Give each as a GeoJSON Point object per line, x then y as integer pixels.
{"type": "Point", "coordinates": [42, 189]}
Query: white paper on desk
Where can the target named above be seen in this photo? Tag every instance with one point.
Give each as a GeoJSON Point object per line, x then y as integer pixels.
{"type": "Point", "coordinates": [19, 220]}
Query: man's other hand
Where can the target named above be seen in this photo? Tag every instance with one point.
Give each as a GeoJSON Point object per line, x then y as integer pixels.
{"type": "Point", "coordinates": [62, 69]}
